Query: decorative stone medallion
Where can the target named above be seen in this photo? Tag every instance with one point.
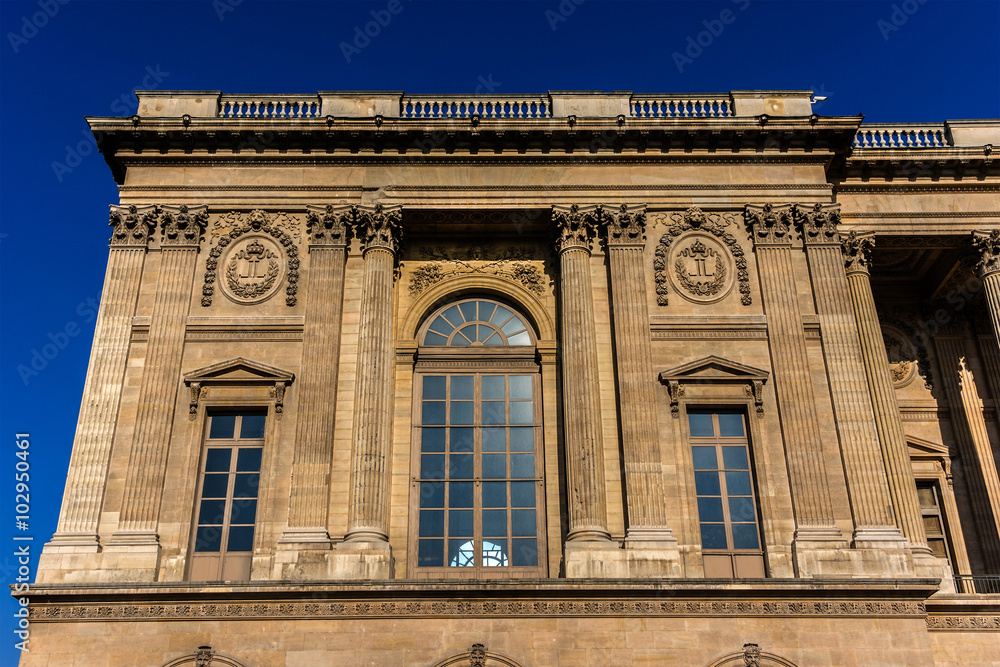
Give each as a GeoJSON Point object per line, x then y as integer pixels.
{"type": "Point", "coordinates": [253, 266]}
{"type": "Point", "coordinates": [902, 356]}
{"type": "Point", "coordinates": [700, 268]}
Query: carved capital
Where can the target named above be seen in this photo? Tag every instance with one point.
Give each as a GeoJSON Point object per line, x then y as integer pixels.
{"type": "Point", "coordinates": [769, 224]}
{"type": "Point", "coordinates": [857, 248]}
{"type": "Point", "coordinates": [575, 226]}
{"type": "Point", "coordinates": [328, 225]}
{"type": "Point", "coordinates": [132, 225]}
{"type": "Point", "coordinates": [624, 227]}
{"type": "Point", "coordinates": [987, 247]}
{"type": "Point", "coordinates": [819, 223]}
{"type": "Point", "coordinates": [183, 225]}
{"type": "Point", "coordinates": [379, 226]}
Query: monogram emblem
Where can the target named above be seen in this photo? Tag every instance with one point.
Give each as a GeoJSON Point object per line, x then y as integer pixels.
{"type": "Point", "coordinates": [701, 268]}
{"type": "Point", "coordinates": [252, 269]}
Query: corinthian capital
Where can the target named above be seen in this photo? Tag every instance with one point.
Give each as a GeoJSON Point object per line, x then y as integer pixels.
{"type": "Point", "coordinates": [328, 225]}
{"type": "Point", "coordinates": [183, 226]}
{"type": "Point", "coordinates": [857, 248]}
{"type": "Point", "coordinates": [987, 247]}
{"type": "Point", "coordinates": [132, 225]}
{"type": "Point", "coordinates": [575, 226]}
{"type": "Point", "coordinates": [769, 224]}
{"type": "Point", "coordinates": [379, 226]}
{"type": "Point", "coordinates": [819, 223]}
{"type": "Point", "coordinates": [624, 227]}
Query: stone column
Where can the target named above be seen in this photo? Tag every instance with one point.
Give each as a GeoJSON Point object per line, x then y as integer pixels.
{"type": "Point", "coordinates": [88, 466]}
{"type": "Point", "coordinates": [310, 490]}
{"type": "Point", "coordinates": [625, 239]}
{"type": "Point", "coordinates": [814, 521]}
{"type": "Point", "coordinates": [888, 425]}
{"type": "Point", "coordinates": [137, 522]}
{"type": "Point", "coordinates": [987, 247]}
{"type": "Point", "coordinates": [871, 506]}
{"type": "Point", "coordinates": [582, 432]}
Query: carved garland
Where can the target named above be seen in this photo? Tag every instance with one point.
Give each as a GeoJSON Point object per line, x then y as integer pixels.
{"type": "Point", "coordinates": [715, 224]}
{"type": "Point", "coordinates": [257, 221]}
{"type": "Point", "coordinates": [509, 263]}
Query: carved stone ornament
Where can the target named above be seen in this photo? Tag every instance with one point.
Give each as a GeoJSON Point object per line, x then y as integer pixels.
{"type": "Point", "coordinates": [625, 227]}
{"type": "Point", "coordinates": [751, 655]}
{"type": "Point", "coordinates": [508, 263]}
{"type": "Point", "coordinates": [183, 226]}
{"type": "Point", "coordinates": [819, 223]}
{"type": "Point", "coordinates": [755, 391]}
{"type": "Point", "coordinates": [857, 248]}
{"type": "Point", "coordinates": [133, 225]}
{"type": "Point", "coordinates": [901, 355]}
{"type": "Point", "coordinates": [477, 656]}
{"type": "Point", "coordinates": [248, 264]}
{"type": "Point", "coordinates": [769, 224]}
{"type": "Point", "coordinates": [697, 280]}
{"type": "Point", "coordinates": [328, 225]}
{"type": "Point", "coordinates": [896, 326]}
{"type": "Point", "coordinates": [987, 247]}
{"type": "Point", "coordinates": [238, 372]}
{"type": "Point", "coordinates": [676, 391]}
{"type": "Point", "coordinates": [203, 658]}
{"type": "Point", "coordinates": [379, 226]}
{"type": "Point", "coordinates": [575, 226]}
{"type": "Point", "coordinates": [715, 370]}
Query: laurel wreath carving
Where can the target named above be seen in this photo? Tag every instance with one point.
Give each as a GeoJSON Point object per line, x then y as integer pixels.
{"type": "Point", "coordinates": [256, 288]}
{"type": "Point", "coordinates": [702, 289]}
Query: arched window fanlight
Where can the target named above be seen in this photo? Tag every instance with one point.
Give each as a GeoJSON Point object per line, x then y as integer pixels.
{"type": "Point", "coordinates": [477, 322]}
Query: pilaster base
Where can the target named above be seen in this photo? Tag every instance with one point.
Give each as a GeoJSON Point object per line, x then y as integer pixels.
{"type": "Point", "coordinates": [929, 566]}
{"type": "Point", "coordinates": [128, 560]}
{"type": "Point", "coordinates": [879, 538]}
{"type": "Point", "coordinates": [604, 559]}
{"type": "Point", "coordinates": [359, 559]}
{"type": "Point", "coordinates": [877, 553]}
{"type": "Point", "coordinates": [305, 538]}
{"type": "Point", "coordinates": [69, 558]}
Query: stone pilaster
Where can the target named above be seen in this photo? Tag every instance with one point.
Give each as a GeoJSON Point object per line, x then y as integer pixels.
{"type": "Point", "coordinates": [87, 476]}
{"type": "Point", "coordinates": [182, 230]}
{"type": "Point", "coordinates": [814, 521]}
{"type": "Point", "coordinates": [365, 552]}
{"type": "Point", "coordinates": [871, 507]}
{"type": "Point", "coordinates": [310, 489]}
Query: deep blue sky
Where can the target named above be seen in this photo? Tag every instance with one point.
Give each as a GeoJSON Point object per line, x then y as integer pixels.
{"type": "Point", "coordinates": [905, 61]}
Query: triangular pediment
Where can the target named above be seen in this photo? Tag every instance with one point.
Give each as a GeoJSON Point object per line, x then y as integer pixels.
{"type": "Point", "coordinates": [239, 370]}
{"type": "Point", "coordinates": [920, 448]}
{"type": "Point", "coordinates": [713, 369]}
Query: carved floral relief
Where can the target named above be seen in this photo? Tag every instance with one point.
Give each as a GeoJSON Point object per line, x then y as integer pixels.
{"type": "Point", "coordinates": [511, 263]}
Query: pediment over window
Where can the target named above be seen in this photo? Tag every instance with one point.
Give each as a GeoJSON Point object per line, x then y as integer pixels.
{"type": "Point", "coordinates": [715, 370]}
{"type": "Point", "coordinates": [925, 449]}
{"type": "Point", "coordinates": [235, 372]}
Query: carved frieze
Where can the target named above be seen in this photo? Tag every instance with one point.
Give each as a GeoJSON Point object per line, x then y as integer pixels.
{"type": "Point", "coordinates": [700, 266]}
{"type": "Point", "coordinates": [857, 248]}
{"type": "Point", "coordinates": [819, 223]}
{"type": "Point", "coordinates": [510, 263]}
{"type": "Point", "coordinates": [329, 225]}
{"type": "Point", "coordinates": [183, 225]}
{"type": "Point", "coordinates": [625, 227]}
{"type": "Point", "coordinates": [987, 247]}
{"type": "Point", "coordinates": [576, 226]}
{"type": "Point", "coordinates": [133, 225]}
{"type": "Point", "coordinates": [769, 224]}
{"type": "Point", "coordinates": [379, 226]}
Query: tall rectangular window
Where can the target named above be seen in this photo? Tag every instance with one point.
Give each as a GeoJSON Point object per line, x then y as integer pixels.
{"type": "Point", "coordinates": [228, 485]}
{"type": "Point", "coordinates": [727, 506]}
{"type": "Point", "coordinates": [935, 526]}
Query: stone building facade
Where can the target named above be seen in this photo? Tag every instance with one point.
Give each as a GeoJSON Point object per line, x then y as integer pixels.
{"type": "Point", "coordinates": [577, 379]}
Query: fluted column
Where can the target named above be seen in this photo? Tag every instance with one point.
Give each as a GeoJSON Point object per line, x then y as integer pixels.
{"type": "Point", "coordinates": [310, 490]}
{"type": "Point", "coordinates": [987, 247]}
{"type": "Point", "coordinates": [88, 466]}
{"type": "Point", "coordinates": [888, 425]}
{"type": "Point", "coordinates": [871, 507]}
{"type": "Point", "coordinates": [368, 519]}
{"type": "Point", "coordinates": [582, 432]}
{"type": "Point", "coordinates": [625, 239]}
{"type": "Point", "coordinates": [182, 231]}
{"type": "Point", "coordinates": [813, 509]}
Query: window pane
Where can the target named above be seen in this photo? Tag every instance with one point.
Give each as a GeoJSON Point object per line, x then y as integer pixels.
{"type": "Point", "coordinates": [740, 509]}
{"type": "Point", "coordinates": [460, 523]}
{"type": "Point", "coordinates": [500, 316]}
{"type": "Point", "coordinates": [462, 466]}
{"type": "Point", "coordinates": [431, 523]}
{"type": "Point", "coordinates": [513, 326]}
{"type": "Point", "coordinates": [246, 485]}
{"type": "Point", "coordinates": [453, 315]}
{"type": "Point", "coordinates": [495, 339]}
{"type": "Point", "coordinates": [932, 525]}
{"type": "Point", "coordinates": [521, 412]}
{"type": "Point", "coordinates": [432, 466]}
{"type": "Point", "coordinates": [495, 523]}
{"type": "Point", "coordinates": [524, 553]}
{"type": "Point", "coordinates": [520, 386]}
{"type": "Point", "coordinates": [430, 553]}
{"type": "Point", "coordinates": [461, 553]}
{"type": "Point", "coordinates": [431, 494]}
{"type": "Point", "coordinates": [461, 387]}
{"type": "Point", "coordinates": [494, 466]}
{"type": "Point", "coordinates": [522, 494]}
{"type": "Point", "coordinates": [735, 458]}
{"type": "Point", "coordinates": [700, 425]}
{"type": "Point", "coordinates": [738, 483]}
{"type": "Point", "coordinates": [486, 310]}
{"type": "Point", "coordinates": [217, 460]}
{"type": "Point", "coordinates": [493, 412]}
{"type": "Point", "coordinates": [462, 439]}
{"type": "Point", "coordinates": [223, 426]}
{"type": "Point", "coordinates": [707, 483]}
{"type": "Point", "coordinates": [252, 426]}
{"type": "Point", "coordinates": [433, 413]}
{"type": "Point", "coordinates": [704, 458]}
{"type": "Point", "coordinates": [460, 494]}
{"type": "Point", "coordinates": [432, 440]}
{"type": "Point", "coordinates": [523, 523]}
{"type": "Point", "coordinates": [461, 412]}
{"type": "Point", "coordinates": [469, 311]}
{"type": "Point", "coordinates": [713, 536]}
{"type": "Point", "coordinates": [520, 339]}
{"type": "Point", "coordinates": [240, 539]}
{"type": "Point", "coordinates": [460, 339]}
{"type": "Point", "coordinates": [208, 539]}
{"type": "Point", "coordinates": [493, 387]}
{"type": "Point", "coordinates": [244, 511]}
{"type": "Point", "coordinates": [494, 440]}
{"type": "Point", "coordinates": [522, 439]}
{"type": "Point", "coordinates": [442, 326]}
{"type": "Point", "coordinates": [248, 460]}
{"type": "Point", "coordinates": [710, 509]}
{"type": "Point", "coordinates": [730, 424]}
{"type": "Point", "coordinates": [937, 547]}
{"type": "Point", "coordinates": [211, 512]}
{"type": "Point", "coordinates": [434, 387]}
{"type": "Point", "coordinates": [495, 553]}
{"type": "Point", "coordinates": [926, 496]}
{"type": "Point", "coordinates": [435, 339]}
{"type": "Point", "coordinates": [215, 486]}
{"type": "Point", "coordinates": [522, 466]}
{"type": "Point", "coordinates": [745, 536]}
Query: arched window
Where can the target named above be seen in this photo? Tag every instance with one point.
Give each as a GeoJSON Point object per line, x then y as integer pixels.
{"type": "Point", "coordinates": [477, 460]}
